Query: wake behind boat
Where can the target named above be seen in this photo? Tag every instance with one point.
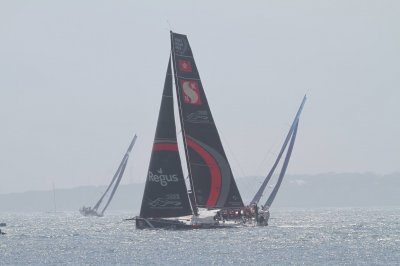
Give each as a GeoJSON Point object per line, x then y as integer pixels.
{"type": "Point", "coordinates": [167, 203]}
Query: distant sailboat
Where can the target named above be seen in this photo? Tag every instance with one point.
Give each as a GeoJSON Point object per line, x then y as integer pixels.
{"type": "Point", "coordinates": [2, 225]}
{"type": "Point", "coordinates": [89, 211]}
{"type": "Point", "coordinates": [54, 198]}
{"type": "Point", "coordinates": [291, 136]}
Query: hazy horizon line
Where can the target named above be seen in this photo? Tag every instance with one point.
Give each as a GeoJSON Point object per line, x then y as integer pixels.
{"type": "Point", "coordinates": [237, 177]}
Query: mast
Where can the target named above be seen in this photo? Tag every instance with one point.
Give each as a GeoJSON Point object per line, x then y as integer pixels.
{"type": "Point", "coordinates": [211, 178]}
{"type": "Point", "coordinates": [192, 193]}
{"type": "Point", "coordinates": [54, 198]}
{"type": "Point", "coordinates": [260, 191]}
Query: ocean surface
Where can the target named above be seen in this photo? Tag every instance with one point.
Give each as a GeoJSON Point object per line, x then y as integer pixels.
{"type": "Point", "coordinates": [294, 237]}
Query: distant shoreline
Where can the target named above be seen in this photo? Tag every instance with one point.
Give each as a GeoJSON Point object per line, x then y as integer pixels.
{"type": "Point", "coordinates": [328, 190]}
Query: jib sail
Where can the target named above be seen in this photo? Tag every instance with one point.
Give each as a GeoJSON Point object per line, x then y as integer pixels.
{"type": "Point", "coordinates": [290, 136]}
{"type": "Point", "coordinates": [284, 167]}
{"type": "Point", "coordinates": [211, 177]}
{"type": "Point", "coordinates": [165, 193]}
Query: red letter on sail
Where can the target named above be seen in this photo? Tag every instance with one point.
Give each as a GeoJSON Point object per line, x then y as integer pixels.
{"type": "Point", "coordinates": [190, 90]}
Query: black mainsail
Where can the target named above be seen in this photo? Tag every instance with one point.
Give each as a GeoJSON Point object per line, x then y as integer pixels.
{"type": "Point", "coordinates": [212, 181]}
{"type": "Point", "coordinates": [165, 193]}
{"type": "Point", "coordinates": [291, 136]}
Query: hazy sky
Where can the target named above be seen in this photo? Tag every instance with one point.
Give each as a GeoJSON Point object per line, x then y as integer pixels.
{"type": "Point", "coordinates": [79, 78]}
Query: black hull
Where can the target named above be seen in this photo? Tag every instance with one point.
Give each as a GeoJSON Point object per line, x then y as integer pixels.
{"type": "Point", "coordinates": [157, 223]}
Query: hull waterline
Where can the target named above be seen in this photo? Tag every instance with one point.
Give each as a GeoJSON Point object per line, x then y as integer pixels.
{"type": "Point", "coordinates": [158, 223]}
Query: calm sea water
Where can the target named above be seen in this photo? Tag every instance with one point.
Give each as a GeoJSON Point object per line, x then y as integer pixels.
{"type": "Point", "coordinates": [294, 237]}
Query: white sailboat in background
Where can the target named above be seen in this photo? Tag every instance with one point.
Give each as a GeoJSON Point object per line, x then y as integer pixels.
{"type": "Point", "coordinates": [112, 187]}
{"type": "Point", "coordinates": [264, 214]}
{"type": "Point", "coordinates": [54, 198]}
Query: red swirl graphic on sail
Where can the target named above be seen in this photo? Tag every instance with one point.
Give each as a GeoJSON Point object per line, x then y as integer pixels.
{"type": "Point", "coordinates": [165, 147]}
{"type": "Point", "coordinates": [214, 171]}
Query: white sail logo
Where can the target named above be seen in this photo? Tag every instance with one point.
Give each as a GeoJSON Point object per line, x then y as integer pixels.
{"type": "Point", "coordinates": [161, 178]}
{"type": "Point", "coordinates": [180, 45]}
{"type": "Point", "coordinates": [190, 90]}
{"type": "Point", "coordinates": [200, 116]}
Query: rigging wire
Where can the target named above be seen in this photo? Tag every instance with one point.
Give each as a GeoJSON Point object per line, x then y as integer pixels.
{"type": "Point", "coordinates": [244, 180]}
{"type": "Point", "coordinates": [272, 150]}
{"type": "Point", "coordinates": [267, 161]}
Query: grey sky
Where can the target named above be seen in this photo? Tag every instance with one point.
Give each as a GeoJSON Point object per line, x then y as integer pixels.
{"type": "Point", "coordinates": [79, 78]}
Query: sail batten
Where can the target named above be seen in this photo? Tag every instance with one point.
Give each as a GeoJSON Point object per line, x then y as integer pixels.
{"type": "Point", "coordinates": [213, 186]}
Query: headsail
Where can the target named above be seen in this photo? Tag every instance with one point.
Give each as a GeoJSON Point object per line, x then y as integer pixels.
{"type": "Point", "coordinates": [212, 181]}
{"type": "Point", "coordinates": [284, 167]}
{"type": "Point", "coordinates": [290, 136]}
{"type": "Point", "coordinates": [165, 193]}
